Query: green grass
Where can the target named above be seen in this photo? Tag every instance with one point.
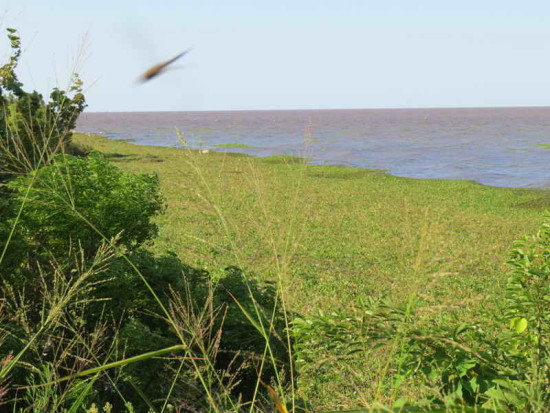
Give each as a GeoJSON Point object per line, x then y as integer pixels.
{"type": "Point", "coordinates": [331, 235]}
{"type": "Point", "coordinates": [354, 231]}
{"type": "Point", "coordinates": [234, 145]}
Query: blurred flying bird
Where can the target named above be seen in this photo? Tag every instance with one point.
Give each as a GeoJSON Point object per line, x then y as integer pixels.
{"type": "Point", "coordinates": [159, 68]}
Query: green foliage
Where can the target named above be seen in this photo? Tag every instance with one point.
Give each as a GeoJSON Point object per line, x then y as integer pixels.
{"type": "Point", "coordinates": [524, 344]}
{"type": "Point", "coordinates": [436, 355]}
{"type": "Point", "coordinates": [31, 129]}
{"type": "Point", "coordinates": [79, 202]}
{"type": "Point", "coordinates": [252, 295]}
{"type": "Point", "coordinates": [69, 210]}
{"type": "Point", "coordinates": [336, 234]}
{"type": "Point", "coordinates": [12, 255]}
{"type": "Point", "coordinates": [509, 371]}
{"type": "Point", "coordinates": [126, 295]}
{"type": "Point", "coordinates": [78, 294]}
{"type": "Point", "coordinates": [75, 310]}
{"type": "Point", "coordinates": [242, 343]}
{"type": "Point", "coordinates": [193, 294]}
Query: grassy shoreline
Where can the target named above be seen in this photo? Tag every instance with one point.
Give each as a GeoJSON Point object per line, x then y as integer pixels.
{"type": "Point", "coordinates": [335, 228]}
{"type": "Point", "coordinates": [333, 235]}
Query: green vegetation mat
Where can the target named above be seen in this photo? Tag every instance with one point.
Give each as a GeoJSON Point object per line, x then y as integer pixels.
{"type": "Point", "coordinates": [338, 233]}
{"type": "Point", "coordinates": [333, 235]}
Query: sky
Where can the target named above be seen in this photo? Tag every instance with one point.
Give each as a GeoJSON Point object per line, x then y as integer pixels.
{"type": "Point", "coordinates": [288, 54]}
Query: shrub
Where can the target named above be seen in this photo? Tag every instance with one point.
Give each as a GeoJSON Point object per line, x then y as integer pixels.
{"type": "Point", "coordinates": [31, 130]}
{"type": "Point", "coordinates": [524, 344]}
{"type": "Point", "coordinates": [79, 202]}
{"type": "Point", "coordinates": [204, 307]}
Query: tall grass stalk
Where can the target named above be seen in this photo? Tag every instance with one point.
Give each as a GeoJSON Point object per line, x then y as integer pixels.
{"type": "Point", "coordinates": [282, 257]}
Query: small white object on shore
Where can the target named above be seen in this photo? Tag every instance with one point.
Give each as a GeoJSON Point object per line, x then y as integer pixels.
{"type": "Point", "coordinates": [205, 151]}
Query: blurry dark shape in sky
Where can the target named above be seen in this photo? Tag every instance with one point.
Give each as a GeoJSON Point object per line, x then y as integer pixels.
{"type": "Point", "coordinates": [161, 67]}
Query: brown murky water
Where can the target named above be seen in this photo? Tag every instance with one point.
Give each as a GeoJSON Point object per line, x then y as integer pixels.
{"type": "Point", "coordinates": [500, 147]}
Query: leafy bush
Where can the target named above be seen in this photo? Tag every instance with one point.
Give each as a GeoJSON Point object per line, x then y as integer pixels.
{"type": "Point", "coordinates": [68, 211]}
{"type": "Point", "coordinates": [112, 303]}
{"type": "Point", "coordinates": [31, 130]}
{"type": "Point", "coordinates": [524, 347]}
{"type": "Point", "coordinates": [79, 202]}
{"type": "Point", "coordinates": [253, 322]}
{"type": "Point", "coordinates": [204, 305]}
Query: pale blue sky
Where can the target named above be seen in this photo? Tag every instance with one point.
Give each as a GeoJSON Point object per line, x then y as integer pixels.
{"type": "Point", "coordinates": [290, 54]}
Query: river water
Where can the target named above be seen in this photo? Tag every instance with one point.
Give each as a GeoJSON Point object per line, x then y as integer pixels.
{"type": "Point", "coordinates": [493, 146]}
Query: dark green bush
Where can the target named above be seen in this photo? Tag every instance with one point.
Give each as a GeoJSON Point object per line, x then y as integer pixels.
{"type": "Point", "coordinates": [75, 204]}
{"type": "Point", "coordinates": [242, 296]}
{"type": "Point", "coordinates": [190, 291]}
{"type": "Point", "coordinates": [31, 129]}
{"type": "Point", "coordinates": [80, 202]}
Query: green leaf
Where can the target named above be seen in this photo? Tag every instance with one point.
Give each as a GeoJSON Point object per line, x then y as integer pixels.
{"type": "Point", "coordinates": [461, 328]}
{"type": "Point", "coordinates": [519, 325]}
